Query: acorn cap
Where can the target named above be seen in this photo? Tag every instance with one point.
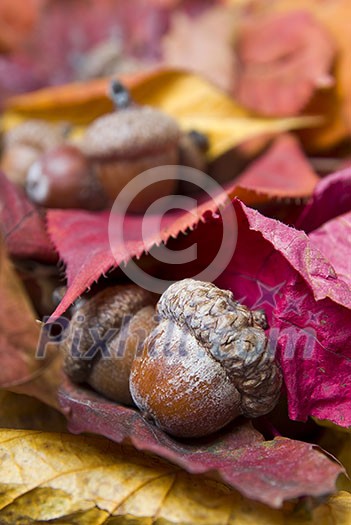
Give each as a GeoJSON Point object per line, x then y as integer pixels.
{"type": "Point", "coordinates": [130, 133]}
{"type": "Point", "coordinates": [35, 133]}
{"type": "Point", "coordinates": [107, 309]}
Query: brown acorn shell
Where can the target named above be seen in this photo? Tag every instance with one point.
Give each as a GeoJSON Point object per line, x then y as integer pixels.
{"type": "Point", "coordinates": [178, 384]}
{"type": "Point", "coordinates": [110, 376]}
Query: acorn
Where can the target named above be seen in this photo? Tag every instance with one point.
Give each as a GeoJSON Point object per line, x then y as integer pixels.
{"type": "Point", "coordinates": [123, 315]}
{"type": "Point", "coordinates": [205, 363]}
{"type": "Point", "coordinates": [63, 178]}
{"type": "Point", "coordinates": [23, 145]}
{"type": "Point", "coordinates": [128, 142]}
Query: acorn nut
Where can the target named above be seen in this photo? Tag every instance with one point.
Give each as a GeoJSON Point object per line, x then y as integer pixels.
{"type": "Point", "coordinates": [206, 362]}
{"type": "Point", "coordinates": [128, 142]}
{"type": "Point", "coordinates": [63, 178]}
{"type": "Point", "coordinates": [24, 143]}
{"type": "Point", "coordinates": [119, 317]}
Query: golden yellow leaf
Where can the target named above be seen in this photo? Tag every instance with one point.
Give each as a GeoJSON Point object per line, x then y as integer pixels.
{"type": "Point", "coordinates": [336, 512]}
{"type": "Point", "coordinates": [193, 101]}
{"type": "Point", "coordinates": [337, 441]}
{"type": "Point", "coordinates": [225, 133]}
{"type": "Point", "coordinates": [49, 476]}
{"type": "Point", "coordinates": [90, 480]}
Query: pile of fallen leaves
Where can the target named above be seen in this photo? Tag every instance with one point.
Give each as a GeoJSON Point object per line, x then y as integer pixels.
{"type": "Point", "coordinates": [269, 83]}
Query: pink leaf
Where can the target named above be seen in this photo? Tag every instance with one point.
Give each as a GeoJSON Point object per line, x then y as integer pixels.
{"type": "Point", "coordinates": [82, 241]}
{"type": "Point", "coordinates": [333, 239]}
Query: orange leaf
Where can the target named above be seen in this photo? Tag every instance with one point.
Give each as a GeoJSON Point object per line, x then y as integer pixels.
{"type": "Point", "coordinates": [20, 370]}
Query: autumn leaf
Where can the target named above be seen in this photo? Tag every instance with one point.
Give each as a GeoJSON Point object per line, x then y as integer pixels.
{"type": "Point", "coordinates": [278, 268]}
{"type": "Point", "coordinates": [283, 171]}
{"type": "Point", "coordinates": [331, 197]}
{"type": "Point", "coordinates": [282, 59]}
{"type": "Point", "coordinates": [335, 103]}
{"type": "Point", "coordinates": [21, 371]}
{"type": "Point", "coordinates": [90, 258]}
{"type": "Point", "coordinates": [48, 476]}
{"type": "Point", "coordinates": [16, 22]}
{"type": "Point", "coordinates": [333, 239]}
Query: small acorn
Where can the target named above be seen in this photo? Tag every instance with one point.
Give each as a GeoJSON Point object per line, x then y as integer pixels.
{"type": "Point", "coordinates": [126, 311]}
{"type": "Point", "coordinates": [63, 178]}
{"type": "Point", "coordinates": [24, 143]}
{"type": "Point", "coordinates": [205, 363]}
{"type": "Point", "coordinates": [128, 142]}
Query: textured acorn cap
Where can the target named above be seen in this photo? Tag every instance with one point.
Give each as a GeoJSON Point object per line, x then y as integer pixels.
{"type": "Point", "coordinates": [130, 133]}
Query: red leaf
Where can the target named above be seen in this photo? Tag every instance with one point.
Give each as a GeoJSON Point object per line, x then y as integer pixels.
{"type": "Point", "coordinates": [283, 59]}
{"type": "Point", "coordinates": [270, 472]}
{"type": "Point", "coordinates": [283, 171]}
{"type": "Point", "coordinates": [82, 241]}
{"type": "Point", "coordinates": [22, 225]}
{"type": "Point", "coordinates": [332, 197]}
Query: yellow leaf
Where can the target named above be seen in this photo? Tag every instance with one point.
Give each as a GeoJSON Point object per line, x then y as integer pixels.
{"type": "Point", "coordinates": [193, 101]}
{"type": "Point", "coordinates": [225, 133]}
{"type": "Point", "coordinates": [88, 480]}
{"type": "Point", "coordinates": [336, 512]}
{"type": "Point", "coordinates": [337, 441]}
{"type": "Point", "coordinates": [49, 476]}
